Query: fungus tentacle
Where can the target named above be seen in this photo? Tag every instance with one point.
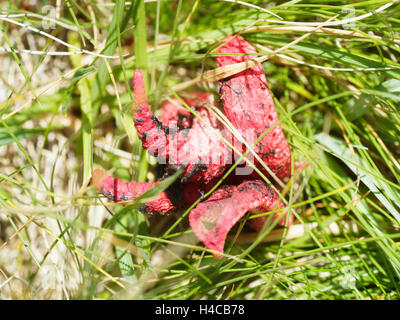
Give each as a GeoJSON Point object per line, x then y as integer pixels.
{"type": "Point", "coordinates": [249, 105]}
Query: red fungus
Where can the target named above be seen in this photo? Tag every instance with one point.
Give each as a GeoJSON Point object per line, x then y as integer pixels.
{"type": "Point", "coordinates": [249, 105]}
{"type": "Point", "coordinates": [181, 140]}
{"type": "Point", "coordinates": [212, 219]}
{"type": "Point", "coordinates": [192, 149]}
{"type": "Point", "coordinates": [118, 190]}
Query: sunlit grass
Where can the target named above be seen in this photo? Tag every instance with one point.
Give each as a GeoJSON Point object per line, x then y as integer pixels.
{"type": "Point", "coordinates": [334, 72]}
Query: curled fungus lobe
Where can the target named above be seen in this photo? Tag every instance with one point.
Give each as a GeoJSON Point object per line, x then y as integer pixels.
{"type": "Point", "coordinates": [193, 144]}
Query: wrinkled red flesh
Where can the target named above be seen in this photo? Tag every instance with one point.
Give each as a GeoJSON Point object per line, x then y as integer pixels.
{"type": "Point", "coordinates": [149, 128]}
{"type": "Point", "coordinates": [118, 190]}
{"type": "Point", "coordinates": [213, 218]}
{"type": "Point", "coordinates": [200, 150]}
{"type": "Point", "coordinates": [197, 150]}
{"type": "Point", "coordinates": [249, 105]}
{"type": "Point", "coordinates": [174, 111]}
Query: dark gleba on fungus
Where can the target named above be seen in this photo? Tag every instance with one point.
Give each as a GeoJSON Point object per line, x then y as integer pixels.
{"type": "Point", "coordinates": [195, 145]}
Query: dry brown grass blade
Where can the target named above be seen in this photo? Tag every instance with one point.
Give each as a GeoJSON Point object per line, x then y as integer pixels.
{"type": "Point", "coordinates": [230, 70]}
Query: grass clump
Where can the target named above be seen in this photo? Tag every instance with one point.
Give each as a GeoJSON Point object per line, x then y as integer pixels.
{"type": "Point", "coordinates": [65, 108]}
